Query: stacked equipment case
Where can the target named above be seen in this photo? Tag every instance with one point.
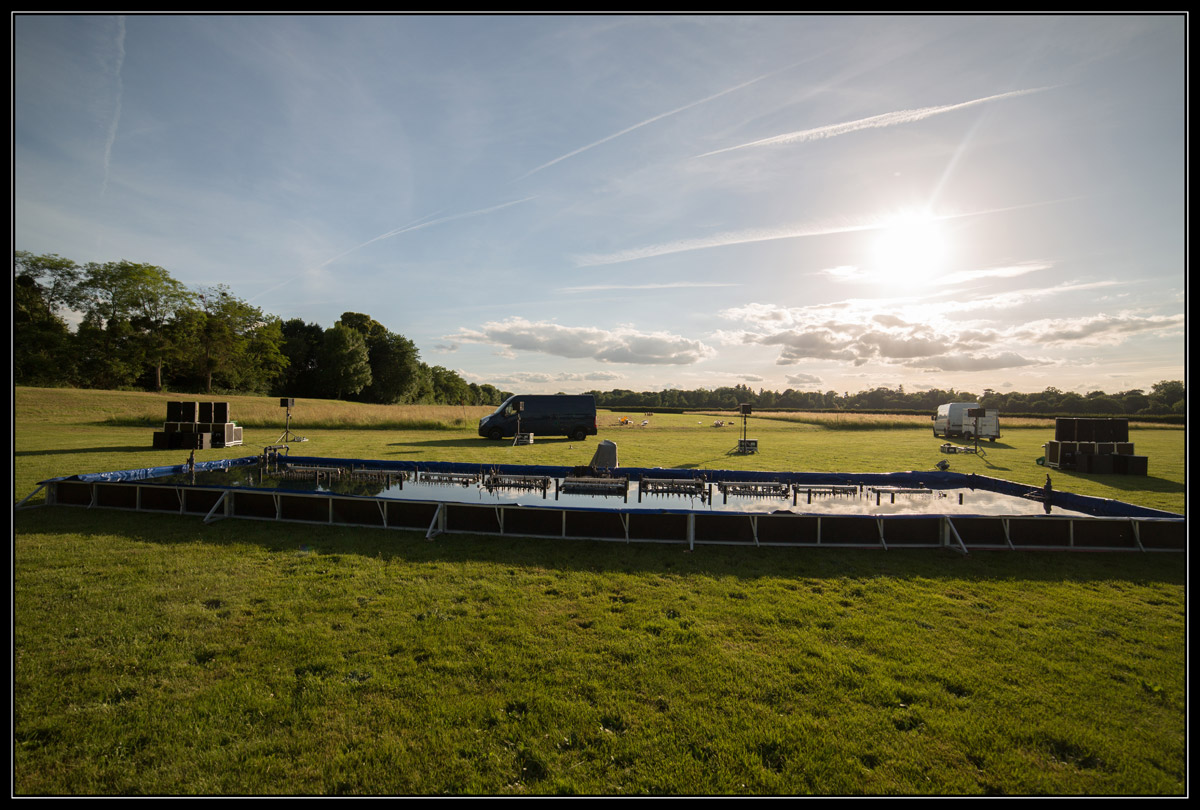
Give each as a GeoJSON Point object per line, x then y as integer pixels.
{"type": "Point", "coordinates": [1094, 446]}
{"type": "Point", "coordinates": [197, 426]}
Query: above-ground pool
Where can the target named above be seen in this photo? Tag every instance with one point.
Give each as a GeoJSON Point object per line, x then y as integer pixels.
{"type": "Point", "coordinates": [692, 507]}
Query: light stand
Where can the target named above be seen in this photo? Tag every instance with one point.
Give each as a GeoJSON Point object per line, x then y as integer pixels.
{"type": "Point", "coordinates": [746, 445]}
{"type": "Point", "coordinates": [976, 413]}
{"type": "Point", "coordinates": [519, 437]}
{"type": "Point", "coordinates": [287, 435]}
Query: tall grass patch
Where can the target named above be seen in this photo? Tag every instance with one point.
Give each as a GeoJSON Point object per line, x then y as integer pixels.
{"type": "Point", "coordinates": [147, 410]}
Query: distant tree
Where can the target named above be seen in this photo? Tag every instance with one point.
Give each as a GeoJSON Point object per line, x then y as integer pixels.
{"type": "Point", "coordinates": [1134, 401]}
{"type": "Point", "coordinates": [238, 347]}
{"type": "Point", "coordinates": [264, 351]}
{"type": "Point", "coordinates": [422, 390]}
{"type": "Point", "coordinates": [56, 278]}
{"type": "Point", "coordinates": [393, 358]}
{"type": "Point", "coordinates": [156, 299]}
{"type": "Point", "coordinates": [1168, 396]}
{"type": "Point", "coordinates": [1102, 404]}
{"type": "Point", "coordinates": [110, 354]}
{"type": "Point", "coordinates": [448, 387]}
{"type": "Point", "coordinates": [43, 287]}
{"type": "Point", "coordinates": [490, 395]}
{"type": "Point", "coordinates": [302, 347]}
{"type": "Point", "coordinates": [342, 362]}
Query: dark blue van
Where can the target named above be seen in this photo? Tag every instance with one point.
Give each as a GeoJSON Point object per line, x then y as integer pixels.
{"type": "Point", "coordinates": [572, 415]}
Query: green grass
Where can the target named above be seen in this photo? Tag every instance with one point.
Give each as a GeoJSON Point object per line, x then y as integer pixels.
{"type": "Point", "coordinates": [153, 654]}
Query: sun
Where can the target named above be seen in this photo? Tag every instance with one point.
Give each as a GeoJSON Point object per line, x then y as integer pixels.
{"type": "Point", "coordinates": [910, 248]}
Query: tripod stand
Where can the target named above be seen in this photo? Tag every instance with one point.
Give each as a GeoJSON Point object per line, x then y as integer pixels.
{"type": "Point", "coordinates": [287, 435]}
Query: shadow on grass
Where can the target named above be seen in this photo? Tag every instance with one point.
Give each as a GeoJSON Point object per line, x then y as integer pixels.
{"type": "Point", "coordinates": [799, 565]}
{"type": "Point", "coordinates": [478, 442]}
{"type": "Point", "coordinates": [85, 450]}
{"type": "Point", "coordinates": [1125, 483]}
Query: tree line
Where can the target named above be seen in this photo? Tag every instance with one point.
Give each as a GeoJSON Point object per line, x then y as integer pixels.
{"type": "Point", "coordinates": [140, 328]}
{"type": "Point", "coordinates": [1166, 397]}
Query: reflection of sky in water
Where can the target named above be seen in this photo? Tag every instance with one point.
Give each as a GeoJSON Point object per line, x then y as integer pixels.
{"type": "Point", "coordinates": [805, 499]}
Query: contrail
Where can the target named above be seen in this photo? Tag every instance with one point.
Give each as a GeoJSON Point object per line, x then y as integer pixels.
{"type": "Point", "coordinates": [874, 122]}
{"type": "Point", "coordinates": [430, 223]}
{"type": "Point", "coordinates": [116, 119]}
{"type": "Point", "coordinates": [663, 286]}
{"type": "Point", "coordinates": [719, 240]}
{"type": "Point", "coordinates": [762, 235]}
{"type": "Point", "coordinates": [414, 226]}
{"type": "Point", "coordinates": [658, 117]}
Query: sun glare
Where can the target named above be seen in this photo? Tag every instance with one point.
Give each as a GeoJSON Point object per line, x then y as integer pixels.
{"type": "Point", "coordinates": [910, 247]}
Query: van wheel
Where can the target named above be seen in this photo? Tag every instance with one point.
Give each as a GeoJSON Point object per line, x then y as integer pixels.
{"type": "Point", "coordinates": [578, 434]}
{"type": "Point", "coordinates": [495, 435]}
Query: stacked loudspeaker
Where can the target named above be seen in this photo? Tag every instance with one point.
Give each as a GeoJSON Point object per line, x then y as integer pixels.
{"type": "Point", "coordinates": [1094, 446]}
{"type": "Point", "coordinates": [197, 426]}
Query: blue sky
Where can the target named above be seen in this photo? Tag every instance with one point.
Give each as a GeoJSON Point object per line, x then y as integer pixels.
{"type": "Point", "coordinates": [568, 203]}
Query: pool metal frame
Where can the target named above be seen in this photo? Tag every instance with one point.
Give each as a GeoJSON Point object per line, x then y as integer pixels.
{"type": "Point", "coordinates": [1115, 526]}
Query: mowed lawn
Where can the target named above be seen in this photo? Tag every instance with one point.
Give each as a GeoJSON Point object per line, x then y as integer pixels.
{"type": "Point", "coordinates": [156, 654]}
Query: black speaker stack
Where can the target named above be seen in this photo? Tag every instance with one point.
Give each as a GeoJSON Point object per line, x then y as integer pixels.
{"type": "Point", "coordinates": [1094, 446]}
{"type": "Point", "coordinates": [197, 426]}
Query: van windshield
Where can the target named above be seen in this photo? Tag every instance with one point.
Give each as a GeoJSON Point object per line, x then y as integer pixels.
{"type": "Point", "coordinates": [503, 405]}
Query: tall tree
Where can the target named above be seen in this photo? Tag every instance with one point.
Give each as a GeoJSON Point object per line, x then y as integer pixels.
{"type": "Point", "coordinates": [43, 287]}
{"type": "Point", "coordinates": [239, 347]}
{"type": "Point", "coordinates": [109, 352]}
{"type": "Point", "coordinates": [342, 362]}
{"type": "Point", "coordinates": [302, 346]}
{"type": "Point", "coordinates": [394, 360]}
{"type": "Point", "coordinates": [1168, 396]}
{"type": "Point", "coordinates": [448, 387]}
{"type": "Point", "coordinates": [156, 300]}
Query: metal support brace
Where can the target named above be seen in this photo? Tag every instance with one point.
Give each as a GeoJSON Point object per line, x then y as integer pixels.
{"type": "Point", "coordinates": [1007, 535]}
{"type": "Point", "coordinates": [30, 495]}
{"type": "Point", "coordinates": [500, 518]}
{"type": "Point", "coordinates": [954, 531]}
{"type": "Point", "coordinates": [209, 517]}
{"type": "Point", "coordinates": [754, 528]}
{"type": "Point", "coordinates": [1137, 535]}
{"type": "Point", "coordinates": [625, 523]}
{"type": "Point", "coordinates": [382, 511]}
{"type": "Point", "coordinates": [691, 531]}
{"type": "Point", "coordinates": [437, 521]}
{"type": "Point", "coordinates": [95, 493]}
{"type": "Point", "coordinates": [882, 542]}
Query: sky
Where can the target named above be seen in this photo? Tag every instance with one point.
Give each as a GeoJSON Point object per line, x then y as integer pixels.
{"type": "Point", "coordinates": [573, 203]}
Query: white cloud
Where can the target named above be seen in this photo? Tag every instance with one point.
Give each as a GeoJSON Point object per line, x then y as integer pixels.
{"type": "Point", "coordinates": [965, 362]}
{"type": "Point", "coordinates": [545, 378]}
{"type": "Point", "coordinates": [928, 337]}
{"type": "Point", "coordinates": [803, 379]}
{"type": "Point", "coordinates": [1099, 330]}
{"type": "Point", "coordinates": [620, 345]}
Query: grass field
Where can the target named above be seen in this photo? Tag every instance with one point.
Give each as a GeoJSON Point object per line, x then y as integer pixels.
{"type": "Point", "coordinates": [155, 654]}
